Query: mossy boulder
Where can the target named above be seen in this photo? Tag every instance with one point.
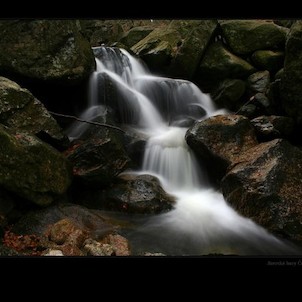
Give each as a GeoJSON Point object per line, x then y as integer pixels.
{"type": "Point", "coordinates": [175, 50]}
{"type": "Point", "coordinates": [246, 36]}
{"type": "Point", "coordinates": [134, 35]}
{"type": "Point", "coordinates": [268, 60]}
{"type": "Point", "coordinates": [48, 50]}
{"type": "Point", "coordinates": [290, 88]}
{"type": "Point", "coordinates": [19, 109]}
{"type": "Point", "coordinates": [219, 63]}
{"type": "Point", "coordinates": [31, 168]}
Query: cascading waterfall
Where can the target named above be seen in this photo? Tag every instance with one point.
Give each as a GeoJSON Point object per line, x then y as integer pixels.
{"type": "Point", "coordinates": [163, 109]}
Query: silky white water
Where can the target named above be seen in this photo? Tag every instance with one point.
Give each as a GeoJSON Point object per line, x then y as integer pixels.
{"type": "Point", "coordinates": [162, 109]}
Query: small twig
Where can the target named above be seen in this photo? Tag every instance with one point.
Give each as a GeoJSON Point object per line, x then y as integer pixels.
{"type": "Point", "coordinates": [84, 121]}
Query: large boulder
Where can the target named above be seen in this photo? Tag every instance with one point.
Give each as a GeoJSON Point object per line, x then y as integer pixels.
{"type": "Point", "coordinates": [246, 36]}
{"type": "Point", "coordinates": [264, 184]}
{"type": "Point", "coordinates": [290, 89]}
{"type": "Point", "coordinates": [19, 109]}
{"type": "Point", "coordinates": [176, 50]}
{"type": "Point", "coordinates": [50, 50]}
{"type": "Point", "coordinates": [219, 63]}
{"type": "Point", "coordinates": [31, 168]}
{"type": "Point", "coordinates": [219, 140]}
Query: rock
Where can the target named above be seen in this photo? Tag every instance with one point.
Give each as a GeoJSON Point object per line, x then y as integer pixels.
{"type": "Point", "coordinates": [268, 60]}
{"type": "Point", "coordinates": [265, 130]}
{"type": "Point", "coordinates": [195, 37]}
{"type": "Point", "coordinates": [175, 50]}
{"type": "Point", "coordinates": [98, 161]}
{"type": "Point", "coordinates": [258, 82]}
{"type": "Point", "coordinates": [6, 251]}
{"type": "Point", "coordinates": [66, 231]}
{"type": "Point", "coordinates": [89, 221]}
{"type": "Point", "coordinates": [141, 194]}
{"type": "Point", "coordinates": [290, 89]}
{"type": "Point", "coordinates": [49, 50]}
{"type": "Point", "coordinates": [279, 74]}
{"type": "Point", "coordinates": [248, 110]}
{"type": "Point", "coordinates": [99, 32]}
{"type": "Point", "coordinates": [264, 184]}
{"type": "Point", "coordinates": [285, 23]}
{"type": "Point", "coordinates": [53, 253]}
{"type": "Point", "coordinates": [259, 105]}
{"type": "Point", "coordinates": [246, 36]}
{"type": "Point", "coordinates": [31, 168]}
{"type": "Point", "coordinates": [7, 206]}
{"type": "Point", "coordinates": [119, 244]}
{"type": "Point", "coordinates": [94, 248]}
{"type": "Point", "coordinates": [135, 148]}
{"type": "Point", "coordinates": [219, 140]}
{"type": "Point", "coordinates": [134, 35]}
{"type": "Point", "coordinates": [154, 254]}
{"type": "Point", "coordinates": [219, 63]}
{"type": "Point", "coordinates": [271, 127]}
{"type": "Point", "coordinates": [19, 109]}
{"type": "Point", "coordinates": [229, 93]}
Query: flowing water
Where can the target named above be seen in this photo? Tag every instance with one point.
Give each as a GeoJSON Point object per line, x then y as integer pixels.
{"type": "Point", "coordinates": [162, 109]}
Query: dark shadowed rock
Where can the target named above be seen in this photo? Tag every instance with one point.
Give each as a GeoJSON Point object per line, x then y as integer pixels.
{"type": "Point", "coordinates": [290, 89]}
{"type": "Point", "coordinates": [31, 168]}
{"type": "Point", "coordinates": [219, 140]}
{"type": "Point", "coordinates": [50, 50]}
{"type": "Point", "coordinates": [271, 127]}
{"type": "Point", "coordinates": [265, 185]}
{"type": "Point", "coordinates": [141, 194]}
{"type": "Point", "coordinates": [91, 221]}
{"type": "Point", "coordinates": [229, 93]}
{"type": "Point", "coordinates": [19, 109]}
{"type": "Point", "coordinates": [98, 160]}
{"type": "Point", "coordinates": [246, 36]}
{"type": "Point", "coordinates": [258, 82]}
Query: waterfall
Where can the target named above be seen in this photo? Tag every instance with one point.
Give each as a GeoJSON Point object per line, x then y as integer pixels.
{"type": "Point", "coordinates": [163, 109]}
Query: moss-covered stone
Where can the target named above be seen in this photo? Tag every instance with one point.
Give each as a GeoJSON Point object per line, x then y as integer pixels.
{"type": "Point", "coordinates": [19, 109]}
{"type": "Point", "coordinates": [176, 50]}
{"type": "Point", "coordinates": [246, 36]}
{"type": "Point", "coordinates": [31, 168]}
{"type": "Point", "coordinates": [290, 88]}
{"type": "Point", "coordinates": [219, 63]}
{"type": "Point", "coordinates": [45, 50]}
{"type": "Point", "coordinates": [134, 35]}
{"type": "Point", "coordinates": [268, 60]}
